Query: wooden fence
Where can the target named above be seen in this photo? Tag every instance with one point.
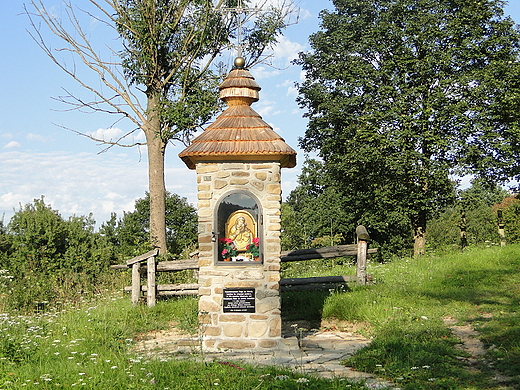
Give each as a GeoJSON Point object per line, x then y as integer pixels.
{"type": "Point", "coordinates": [152, 290]}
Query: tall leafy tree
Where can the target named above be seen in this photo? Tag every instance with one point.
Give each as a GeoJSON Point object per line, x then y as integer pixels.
{"type": "Point", "coordinates": [162, 80]}
{"type": "Point", "coordinates": [132, 231]}
{"type": "Point", "coordinates": [325, 208]}
{"type": "Point", "coordinates": [511, 217]}
{"type": "Point", "coordinates": [317, 205]}
{"type": "Point", "coordinates": [402, 93]}
{"type": "Point", "coordinates": [472, 213]}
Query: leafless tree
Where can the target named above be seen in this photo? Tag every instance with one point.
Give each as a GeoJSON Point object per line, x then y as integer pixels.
{"type": "Point", "coordinates": [163, 79]}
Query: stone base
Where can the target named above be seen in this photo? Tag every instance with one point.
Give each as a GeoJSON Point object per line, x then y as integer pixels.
{"type": "Point", "coordinates": [244, 345]}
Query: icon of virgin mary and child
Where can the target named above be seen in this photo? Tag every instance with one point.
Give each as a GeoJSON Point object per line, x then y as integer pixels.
{"type": "Point", "coordinates": [240, 233]}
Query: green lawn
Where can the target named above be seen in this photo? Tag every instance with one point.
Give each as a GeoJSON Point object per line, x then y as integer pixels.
{"type": "Point", "coordinates": [405, 307]}
{"type": "Point", "coordinates": [90, 345]}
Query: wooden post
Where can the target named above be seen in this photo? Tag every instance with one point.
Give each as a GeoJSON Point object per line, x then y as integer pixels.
{"type": "Point", "coordinates": [136, 278]}
{"type": "Point", "coordinates": [136, 283]}
{"type": "Point", "coordinates": [501, 228]}
{"type": "Point", "coordinates": [361, 264]}
{"type": "Point", "coordinates": [151, 281]}
{"type": "Point", "coordinates": [462, 225]}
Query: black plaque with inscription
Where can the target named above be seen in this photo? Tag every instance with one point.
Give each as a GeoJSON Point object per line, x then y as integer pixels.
{"type": "Point", "coordinates": [239, 300]}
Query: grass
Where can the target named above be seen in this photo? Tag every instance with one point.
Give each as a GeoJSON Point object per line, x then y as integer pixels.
{"type": "Point", "coordinates": [90, 345]}
{"type": "Point", "coordinates": [405, 307]}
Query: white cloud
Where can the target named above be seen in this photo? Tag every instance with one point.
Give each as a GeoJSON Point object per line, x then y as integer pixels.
{"type": "Point", "coordinates": [267, 107]}
{"type": "Point", "coordinates": [139, 136]}
{"type": "Point", "coordinates": [12, 145]}
{"type": "Point", "coordinates": [9, 197]}
{"type": "Point", "coordinates": [291, 88]}
{"type": "Point", "coordinates": [115, 134]}
{"type": "Point", "coordinates": [290, 178]}
{"type": "Point", "coordinates": [286, 83]}
{"type": "Point", "coordinates": [286, 50]}
{"type": "Point", "coordinates": [275, 128]}
{"type": "Point", "coordinates": [265, 111]}
{"type": "Point", "coordinates": [35, 137]}
{"type": "Point", "coordinates": [263, 72]}
{"type": "Point", "coordinates": [84, 183]}
{"type": "Point", "coordinates": [279, 60]}
{"type": "Point", "coordinates": [292, 91]}
{"type": "Point", "coordinates": [113, 196]}
{"type": "Point", "coordinates": [305, 14]}
{"type": "Point", "coordinates": [111, 134]}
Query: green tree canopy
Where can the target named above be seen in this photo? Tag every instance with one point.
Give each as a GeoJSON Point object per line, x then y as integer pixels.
{"type": "Point", "coordinates": [472, 213]}
{"type": "Point", "coordinates": [482, 193]}
{"type": "Point", "coordinates": [131, 234]}
{"type": "Point", "coordinates": [402, 93]}
{"type": "Point", "coordinates": [324, 208]}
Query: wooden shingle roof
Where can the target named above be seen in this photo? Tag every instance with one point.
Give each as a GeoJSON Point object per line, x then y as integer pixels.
{"type": "Point", "coordinates": [239, 133]}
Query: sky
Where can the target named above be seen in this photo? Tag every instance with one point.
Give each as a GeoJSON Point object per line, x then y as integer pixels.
{"type": "Point", "coordinates": [40, 155]}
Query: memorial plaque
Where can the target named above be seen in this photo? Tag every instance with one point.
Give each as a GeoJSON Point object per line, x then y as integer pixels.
{"type": "Point", "coordinates": [239, 300]}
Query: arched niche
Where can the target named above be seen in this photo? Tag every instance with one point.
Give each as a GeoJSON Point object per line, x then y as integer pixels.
{"type": "Point", "coordinates": [238, 229]}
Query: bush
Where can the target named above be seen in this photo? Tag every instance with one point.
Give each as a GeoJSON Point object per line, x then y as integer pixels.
{"type": "Point", "coordinates": [478, 206]}
{"type": "Point", "coordinates": [511, 217]}
{"type": "Point", "coordinates": [49, 258]}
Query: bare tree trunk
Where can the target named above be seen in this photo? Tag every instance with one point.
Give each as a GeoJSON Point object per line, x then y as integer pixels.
{"type": "Point", "coordinates": [419, 233]}
{"type": "Point", "coordinates": [156, 150]}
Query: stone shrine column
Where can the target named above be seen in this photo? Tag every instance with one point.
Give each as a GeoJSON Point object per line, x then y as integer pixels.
{"type": "Point", "coordinates": [238, 160]}
{"type": "Point", "coordinates": [250, 316]}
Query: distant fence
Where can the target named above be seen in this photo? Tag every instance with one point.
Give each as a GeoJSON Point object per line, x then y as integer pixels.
{"type": "Point", "coordinates": [152, 290]}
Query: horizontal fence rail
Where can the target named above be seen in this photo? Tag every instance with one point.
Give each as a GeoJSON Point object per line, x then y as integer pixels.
{"type": "Point", "coordinates": [147, 264]}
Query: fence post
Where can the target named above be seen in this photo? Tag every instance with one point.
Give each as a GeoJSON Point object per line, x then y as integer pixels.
{"type": "Point", "coordinates": [501, 228]}
{"type": "Point", "coordinates": [462, 226]}
{"type": "Point", "coordinates": [151, 281]}
{"type": "Point", "coordinates": [361, 264]}
{"type": "Point", "coordinates": [136, 283]}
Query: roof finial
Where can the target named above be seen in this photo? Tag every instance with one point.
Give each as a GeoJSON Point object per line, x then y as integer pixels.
{"type": "Point", "coordinates": [240, 63]}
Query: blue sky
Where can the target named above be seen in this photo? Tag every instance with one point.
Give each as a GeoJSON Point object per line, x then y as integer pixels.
{"type": "Point", "coordinates": [39, 157]}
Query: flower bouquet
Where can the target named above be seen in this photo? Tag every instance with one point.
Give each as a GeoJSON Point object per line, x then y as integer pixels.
{"type": "Point", "coordinates": [254, 248]}
{"type": "Point", "coordinates": [228, 248]}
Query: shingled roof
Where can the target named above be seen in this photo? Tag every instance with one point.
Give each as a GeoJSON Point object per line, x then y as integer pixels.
{"type": "Point", "coordinates": [239, 133]}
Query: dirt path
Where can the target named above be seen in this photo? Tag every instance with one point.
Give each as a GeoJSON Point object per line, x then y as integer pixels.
{"type": "Point", "coordinates": [471, 344]}
{"type": "Point", "coordinates": [320, 350]}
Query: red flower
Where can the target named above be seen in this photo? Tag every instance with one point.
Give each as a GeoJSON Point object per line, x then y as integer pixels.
{"type": "Point", "coordinates": [254, 247]}
{"type": "Point", "coordinates": [227, 247]}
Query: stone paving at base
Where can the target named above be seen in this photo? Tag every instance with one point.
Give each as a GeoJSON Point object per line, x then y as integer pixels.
{"type": "Point", "coordinates": [318, 353]}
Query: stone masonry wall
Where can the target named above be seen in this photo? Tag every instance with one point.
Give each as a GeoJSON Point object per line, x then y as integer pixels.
{"type": "Point", "coordinates": [242, 331]}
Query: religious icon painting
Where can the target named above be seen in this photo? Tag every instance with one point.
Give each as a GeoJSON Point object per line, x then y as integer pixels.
{"type": "Point", "coordinates": [241, 228]}
{"type": "Point", "coordinates": [238, 229]}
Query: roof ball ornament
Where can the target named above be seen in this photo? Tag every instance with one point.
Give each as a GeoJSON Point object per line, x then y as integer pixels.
{"type": "Point", "coordinates": [240, 63]}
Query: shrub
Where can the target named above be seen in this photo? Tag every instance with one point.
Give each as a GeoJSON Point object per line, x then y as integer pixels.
{"type": "Point", "coordinates": [511, 217]}
{"type": "Point", "coordinates": [50, 258]}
